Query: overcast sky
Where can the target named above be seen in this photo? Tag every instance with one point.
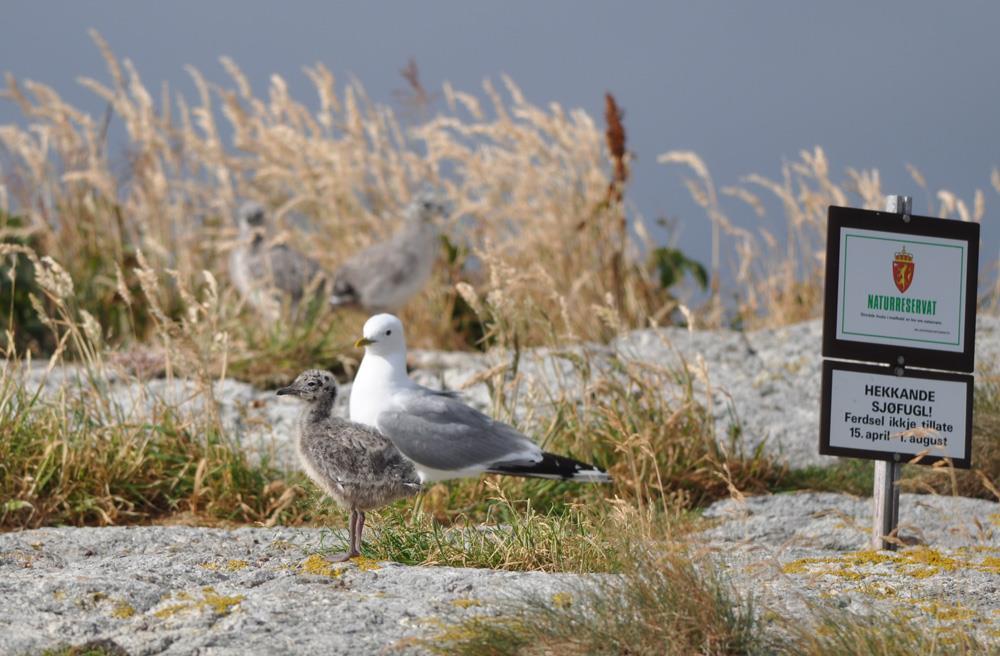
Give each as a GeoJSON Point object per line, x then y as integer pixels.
{"type": "Point", "coordinates": [747, 85]}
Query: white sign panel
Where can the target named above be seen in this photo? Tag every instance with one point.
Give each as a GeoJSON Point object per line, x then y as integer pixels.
{"type": "Point", "coordinates": [881, 413]}
{"type": "Point", "coordinates": [903, 290]}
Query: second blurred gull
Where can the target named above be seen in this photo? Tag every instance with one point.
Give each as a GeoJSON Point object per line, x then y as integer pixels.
{"type": "Point", "coordinates": [386, 275]}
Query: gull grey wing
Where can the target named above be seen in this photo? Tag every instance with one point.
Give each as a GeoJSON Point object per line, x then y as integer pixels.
{"type": "Point", "coordinates": [443, 433]}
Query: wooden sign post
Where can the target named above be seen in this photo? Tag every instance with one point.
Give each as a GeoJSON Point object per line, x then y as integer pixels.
{"type": "Point", "coordinates": [900, 292]}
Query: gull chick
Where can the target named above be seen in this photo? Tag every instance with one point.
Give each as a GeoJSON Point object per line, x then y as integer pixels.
{"type": "Point", "coordinates": [443, 437]}
{"type": "Point", "coordinates": [265, 274]}
{"type": "Point", "coordinates": [355, 465]}
{"type": "Point", "coordinates": [387, 275]}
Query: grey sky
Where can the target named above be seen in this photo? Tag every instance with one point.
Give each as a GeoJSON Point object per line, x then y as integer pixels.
{"type": "Point", "coordinates": [745, 84]}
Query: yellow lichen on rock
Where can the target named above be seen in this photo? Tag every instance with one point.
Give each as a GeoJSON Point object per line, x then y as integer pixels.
{"type": "Point", "coordinates": [169, 611]}
{"type": "Point", "coordinates": [933, 558]}
{"type": "Point", "coordinates": [871, 557]}
{"type": "Point", "coordinates": [946, 612]}
{"type": "Point", "coordinates": [219, 604]}
{"type": "Point", "coordinates": [801, 566]}
{"type": "Point", "coordinates": [232, 565]}
{"type": "Point", "coordinates": [846, 572]}
{"type": "Point", "coordinates": [562, 600]}
{"type": "Point", "coordinates": [918, 562]}
{"type": "Point", "coordinates": [466, 603]}
{"type": "Point", "coordinates": [122, 611]}
{"type": "Point", "coordinates": [222, 605]}
{"type": "Point", "coordinates": [841, 566]}
{"type": "Point", "coordinates": [990, 564]}
{"type": "Point", "coordinates": [366, 564]}
{"type": "Point", "coordinates": [320, 566]}
{"type": "Point", "coordinates": [877, 590]}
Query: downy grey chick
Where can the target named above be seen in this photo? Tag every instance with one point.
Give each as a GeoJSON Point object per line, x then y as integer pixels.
{"type": "Point", "coordinates": [386, 275]}
{"type": "Point", "coordinates": [266, 274]}
{"type": "Point", "coordinates": [354, 464]}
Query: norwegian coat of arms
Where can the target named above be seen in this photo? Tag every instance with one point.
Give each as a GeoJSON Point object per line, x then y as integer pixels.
{"type": "Point", "coordinates": [902, 270]}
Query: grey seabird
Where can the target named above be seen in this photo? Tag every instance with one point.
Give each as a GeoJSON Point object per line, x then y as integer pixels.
{"type": "Point", "coordinates": [386, 275]}
{"type": "Point", "coordinates": [266, 274]}
{"type": "Point", "coordinates": [441, 435]}
{"type": "Point", "coordinates": [354, 464]}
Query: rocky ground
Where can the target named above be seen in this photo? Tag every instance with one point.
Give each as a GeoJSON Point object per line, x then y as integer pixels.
{"type": "Point", "coordinates": [176, 590]}
{"type": "Point", "coordinates": [767, 382]}
{"type": "Point", "coordinates": [180, 590]}
{"type": "Point", "coordinates": [792, 550]}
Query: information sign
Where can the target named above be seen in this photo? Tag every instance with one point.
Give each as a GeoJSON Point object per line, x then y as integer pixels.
{"type": "Point", "coordinates": [901, 289]}
{"type": "Point", "coordinates": [868, 412]}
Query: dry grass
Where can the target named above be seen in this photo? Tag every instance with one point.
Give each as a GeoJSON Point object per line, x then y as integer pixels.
{"type": "Point", "coordinates": [521, 179]}
{"type": "Point", "coordinates": [832, 632]}
{"type": "Point", "coordinates": [779, 269]}
{"type": "Point", "coordinates": [114, 473]}
{"type": "Point", "coordinates": [668, 604]}
{"type": "Point", "coordinates": [74, 456]}
{"type": "Point", "coordinates": [642, 421]}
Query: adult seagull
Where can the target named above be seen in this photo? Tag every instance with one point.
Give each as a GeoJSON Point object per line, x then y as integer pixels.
{"type": "Point", "coordinates": [443, 437]}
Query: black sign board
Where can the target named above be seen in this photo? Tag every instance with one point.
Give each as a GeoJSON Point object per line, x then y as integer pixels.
{"type": "Point", "coordinates": [901, 289]}
{"type": "Point", "coordinates": [872, 412]}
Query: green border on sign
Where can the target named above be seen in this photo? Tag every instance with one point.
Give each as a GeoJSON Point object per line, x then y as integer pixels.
{"type": "Point", "coordinates": [843, 296]}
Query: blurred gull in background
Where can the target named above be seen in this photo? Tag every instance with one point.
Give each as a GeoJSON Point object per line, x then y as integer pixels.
{"type": "Point", "coordinates": [386, 275]}
{"type": "Point", "coordinates": [266, 274]}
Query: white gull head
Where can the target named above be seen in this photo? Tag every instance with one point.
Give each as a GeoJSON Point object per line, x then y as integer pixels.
{"type": "Point", "coordinates": [383, 368]}
{"type": "Point", "coordinates": [383, 336]}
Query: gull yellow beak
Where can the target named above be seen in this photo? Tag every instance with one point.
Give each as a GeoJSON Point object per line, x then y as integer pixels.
{"type": "Point", "coordinates": [364, 341]}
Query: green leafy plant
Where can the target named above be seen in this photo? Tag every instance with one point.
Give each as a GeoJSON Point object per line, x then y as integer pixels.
{"type": "Point", "coordinates": [671, 265]}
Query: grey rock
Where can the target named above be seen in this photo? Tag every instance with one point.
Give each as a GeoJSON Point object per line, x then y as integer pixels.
{"type": "Point", "coordinates": [179, 590]}
{"type": "Point", "coordinates": [796, 551]}
{"type": "Point", "coordinates": [830, 521]}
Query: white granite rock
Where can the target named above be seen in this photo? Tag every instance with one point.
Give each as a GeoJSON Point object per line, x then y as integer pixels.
{"type": "Point", "coordinates": [765, 385]}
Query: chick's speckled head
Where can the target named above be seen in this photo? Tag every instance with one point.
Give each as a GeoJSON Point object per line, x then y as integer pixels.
{"type": "Point", "coordinates": [311, 385]}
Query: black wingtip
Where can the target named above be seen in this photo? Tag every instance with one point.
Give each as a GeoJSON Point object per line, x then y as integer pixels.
{"type": "Point", "coordinates": [555, 467]}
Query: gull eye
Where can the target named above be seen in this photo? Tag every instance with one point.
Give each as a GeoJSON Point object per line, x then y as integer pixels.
{"type": "Point", "coordinates": [388, 332]}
